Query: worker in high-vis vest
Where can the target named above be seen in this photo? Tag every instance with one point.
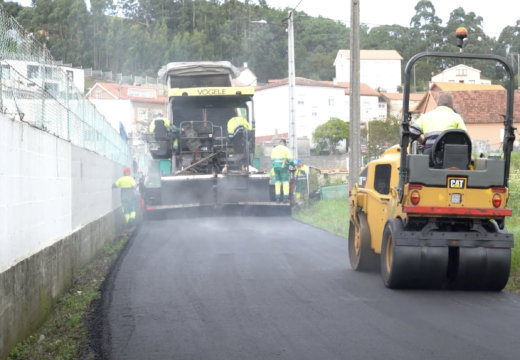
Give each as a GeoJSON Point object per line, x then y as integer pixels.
{"type": "Point", "coordinates": [235, 122]}
{"type": "Point", "coordinates": [301, 170]}
{"type": "Point", "coordinates": [152, 124]}
{"type": "Point", "coordinates": [300, 175]}
{"type": "Point", "coordinates": [127, 185]}
{"type": "Point", "coordinates": [167, 125]}
{"type": "Point", "coordinates": [281, 158]}
{"type": "Point", "coordinates": [429, 126]}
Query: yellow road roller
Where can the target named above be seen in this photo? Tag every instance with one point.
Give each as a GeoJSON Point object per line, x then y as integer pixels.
{"type": "Point", "coordinates": [435, 220]}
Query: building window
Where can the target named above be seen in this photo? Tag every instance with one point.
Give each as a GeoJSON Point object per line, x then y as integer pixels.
{"type": "Point", "coordinates": [33, 71]}
{"type": "Point", "coordinates": [6, 72]}
{"type": "Point", "coordinates": [301, 102]}
{"type": "Point", "coordinates": [70, 75]}
{"type": "Point", "coordinates": [142, 113]}
{"type": "Point", "coordinates": [382, 106]}
{"type": "Point", "coordinates": [150, 94]}
{"type": "Point", "coordinates": [331, 101]}
{"type": "Point", "coordinates": [472, 81]}
{"type": "Point", "coordinates": [98, 95]}
{"type": "Point", "coordinates": [462, 72]}
{"type": "Point", "coordinates": [452, 81]}
{"type": "Point", "coordinates": [314, 114]}
{"type": "Point", "coordinates": [382, 116]}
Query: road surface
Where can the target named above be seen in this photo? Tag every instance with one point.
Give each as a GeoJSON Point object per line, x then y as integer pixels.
{"type": "Point", "coordinates": [263, 288]}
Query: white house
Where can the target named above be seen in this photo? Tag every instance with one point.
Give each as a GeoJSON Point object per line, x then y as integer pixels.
{"type": "Point", "coordinates": [316, 103]}
{"type": "Point", "coordinates": [53, 78]}
{"type": "Point", "coordinates": [76, 75]}
{"type": "Point", "coordinates": [460, 74]}
{"type": "Point", "coordinates": [132, 105]}
{"type": "Point", "coordinates": [246, 77]}
{"type": "Point", "coordinates": [378, 68]}
{"type": "Point", "coordinates": [371, 107]}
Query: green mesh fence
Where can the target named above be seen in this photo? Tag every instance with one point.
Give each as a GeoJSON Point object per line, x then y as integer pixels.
{"type": "Point", "coordinates": [34, 89]}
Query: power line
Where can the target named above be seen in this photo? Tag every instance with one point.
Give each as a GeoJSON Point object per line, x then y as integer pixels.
{"type": "Point", "coordinates": [297, 5]}
{"type": "Point", "coordinates": [347, 22]}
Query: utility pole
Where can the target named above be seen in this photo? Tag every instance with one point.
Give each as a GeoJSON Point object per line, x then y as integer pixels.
{"type": "Point", "coordinates": [355, 133]}
{"type": "Point", "coordinates": [293, 138]}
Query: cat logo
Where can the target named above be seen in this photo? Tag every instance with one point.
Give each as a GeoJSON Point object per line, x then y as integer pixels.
{"type": "Point", "coordinates": [457, 183]}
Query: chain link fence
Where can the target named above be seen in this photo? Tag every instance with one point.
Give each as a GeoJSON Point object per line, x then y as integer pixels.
{"type": "Point", "coordinates": [34, 89]}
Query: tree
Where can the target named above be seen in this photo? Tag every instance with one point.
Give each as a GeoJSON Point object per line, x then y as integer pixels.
{"type": "Point", "coordinates": [383, 134]}
{"type": "Point", "coordinates": [327, 136]}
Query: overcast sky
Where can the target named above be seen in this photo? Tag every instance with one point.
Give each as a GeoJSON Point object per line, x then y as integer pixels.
{"type": "Point", "coordinates": [496, 13]}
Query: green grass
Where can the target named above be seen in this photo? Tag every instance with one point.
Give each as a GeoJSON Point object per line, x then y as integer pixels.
{"type": "Point", "coordinates": [65, 332]}
{"type": "Point", "coordinates": [330, 215]}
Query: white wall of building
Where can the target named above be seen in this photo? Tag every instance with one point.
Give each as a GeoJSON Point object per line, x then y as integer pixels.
{"type": "Point", "coordinates": [375, 73]}
{"type": "Point", "coordinates": [78, 76]}
{"type": "Point", "coordinates": [369, 108]}
{"type": "Point", "coordinates": [115, 111]}
{"type": "Point", "coordinates": [247, 77]}
{"type": "Point", "coordinates": [314, 106]}
{"type": "Point", "coordinates": [48, 188]}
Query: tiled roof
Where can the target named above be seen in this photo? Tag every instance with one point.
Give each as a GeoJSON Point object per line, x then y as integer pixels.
{"type": "Point", "coordinates": [374, 54]}
{"type": "Point", "coordinates": [399, 96]}
{"type": "Point", "coordinates": [481, 107]}
{"type": "Point", "coordinates": [299, 81]}
{"type": "Point", "coordinates": [114, 90]}
{"type": "Point", "coordinates": [364, 89]}
{"type": "Point", "coordinates": [260, 139]}
{"type": "Point", "coordinates": [447, 86]}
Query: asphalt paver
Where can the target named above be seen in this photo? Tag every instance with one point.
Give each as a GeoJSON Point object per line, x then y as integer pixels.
{"type": "Point", "coordinates": [240, 288]}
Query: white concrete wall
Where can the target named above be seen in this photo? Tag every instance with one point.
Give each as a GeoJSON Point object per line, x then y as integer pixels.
{"type": "Point", "coordinates": [48, 188]}
{"type": "Point", "coordinates": [312, 109]}
{"type": "Point", "coordinates": [375, 73]}
{"type": "Point", "coordinates": [115, 111]}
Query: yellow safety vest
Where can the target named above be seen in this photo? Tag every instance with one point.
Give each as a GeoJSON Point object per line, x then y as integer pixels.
{"type": "Point", "coordinates": [303, 171]}
{"type": "Point", "coordinates": [432, 124]}
{"type": "Point", "coordinates": [235, 122]}
{"type": "Point", "coordinates": [126, 183]}
{"type": "Point", "coordinates": [152, 124]}
{"type": "Point", "coordinates": [279, 154]}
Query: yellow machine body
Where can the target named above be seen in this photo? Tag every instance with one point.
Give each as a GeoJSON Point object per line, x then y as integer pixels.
{"type": "Point", "coordinates": [374, 203]}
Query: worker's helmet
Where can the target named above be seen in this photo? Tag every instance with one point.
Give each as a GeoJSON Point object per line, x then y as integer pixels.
{"type": "Point", "coordinates": [157, 114]}
{"type": "Point", "coordinates": [126, 171]}
{"type": "Point", "coordinates": [298, 161]}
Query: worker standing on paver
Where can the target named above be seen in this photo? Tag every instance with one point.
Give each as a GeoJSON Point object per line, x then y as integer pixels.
{"type": "Point", "coordinates": [127, 185]}
{"type": "Point", "coordinates": [281, 158]}
{"type": "Point", "coordinates": [235, 122]}
{"type": "Point", "coordinates": [169, 127]}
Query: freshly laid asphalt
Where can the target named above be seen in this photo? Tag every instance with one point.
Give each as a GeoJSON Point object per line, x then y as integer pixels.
{"type": "Point", "coordinates": [236, 288]}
